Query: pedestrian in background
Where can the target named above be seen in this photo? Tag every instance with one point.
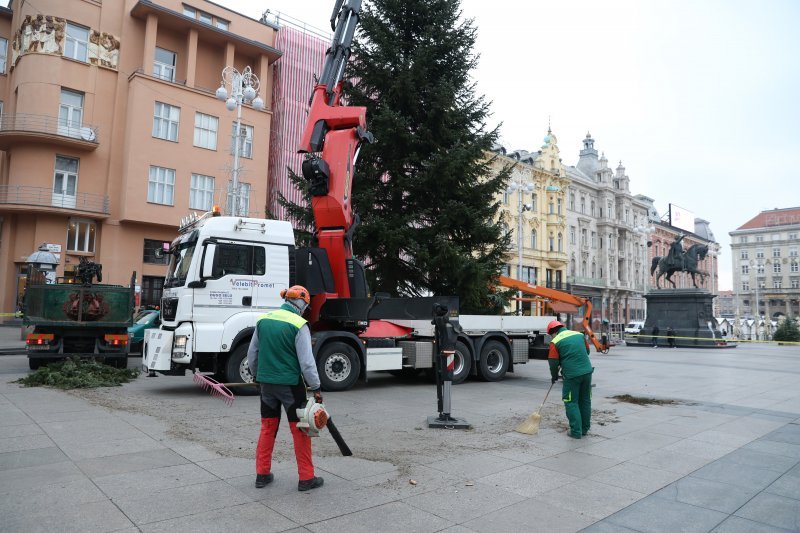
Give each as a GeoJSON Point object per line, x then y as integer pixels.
{"type": "Point", "coordinates": [671, 336]}
{"type": "Point", "coordinates": [569, 351]}
{"type": "Point", "coordinates": [280, 357]}
{"type": "Point", "coordinates": [655, 336]}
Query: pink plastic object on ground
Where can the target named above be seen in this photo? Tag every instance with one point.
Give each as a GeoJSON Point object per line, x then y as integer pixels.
{"type": "Point", "coordinates": [217, 389]}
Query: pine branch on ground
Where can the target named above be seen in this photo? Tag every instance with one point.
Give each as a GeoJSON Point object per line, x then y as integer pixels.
{"type": "Point", "coordinates": [76, 373]}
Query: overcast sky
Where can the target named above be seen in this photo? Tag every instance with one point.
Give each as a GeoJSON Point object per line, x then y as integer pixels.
{"type": "Point", "coordinates": [697, 99]}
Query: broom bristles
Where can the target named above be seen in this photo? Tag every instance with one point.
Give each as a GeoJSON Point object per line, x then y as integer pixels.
{"type": "Point", "coordinates": [529, 426]}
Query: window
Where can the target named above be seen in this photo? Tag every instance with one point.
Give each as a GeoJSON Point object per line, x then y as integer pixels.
{"type": "Point", "coordinates": [190, 12]}
{"type": "Point", "coordinates": [202, 16]}
{"type": "Point", "coordinates": [152, 289]}
{"type": "Point", "coordinates": [149, 252]}
{"type": "Point", "coordinates": [76, 45]}
{"type": "Point", "coordinates": [205, 131]}
{"type": "Point", "coordinates": [793, 236]}
{"type": "Point", "coordinates": [161, 185]}
{"type": "Point", "coordinates": [572, 234]}
{"type": "Point", "coordinates": [506, 194]}
{"type": "Point", "coordinates": [3, 55]}
{"type": "Point", "coordinates": [776, 267]}
{"type": "Point", "coordinates": [794, 267]}
{"type": "Point", "coordinates": [222, 24]}
{"type": "Point", "coordinates": [759, 254]}
{"type": "Point", "coordinates": [792, 251]}
{"type": "Point", "coordinates": [776, 283]}
{"type": "Point", "coordinates": [201, 192]}
{"type": "Point", "coordinates": [558, 209]}
{"type": "Point", "coordinates": [759, 269]}
{"type": "Point", "coordinates": [164, 64]}
{"type": "Point", "coordinates": [572, 201]}
{"type": "Point", "coordinates": [560, 242]}
{"type": "Point", "coordinates": [776, 252]}
{"type": "Point", "coordinates": [65, 182]}
{"type": "Point", "coordinates": [745, 255]}
{"type": "Point", "coordinates": [745, 269]}
{"type": "Point", "coordinates": [593, 209]}
{"type": "Point", "coordinates": [534, 202]}
{"type": "Point", "coordinates": [550, 207]}
{"type": "Point", "coordinates": [594, 239]}
{"type": "Point", "coordinates": [584, 242]}
{"type": "Point", "coordinates": [795, 283]}
{"type": "Point", "coordinates": [533, 239]}
{"type": "Point", "coordinates": [165, 121]}
{"type": "Point", "coordinates": [745, 285]}
{"type": "Point", "coordinates": [244, 199]}
{"type": "Point", "coordinates": [583, 205]}
{"type": "Point", "coordinates": [759, 238]}
{"type": "Point", "coordinates": [551, 243]}
{"type": "Point", "coordinates": [245, 140]}
{"type": "Point", "coordinates": [239, 260]}
{"type": "Point", "coordinates": [81, 235]}
{"type": "Point", "coordinates": [70, 113]}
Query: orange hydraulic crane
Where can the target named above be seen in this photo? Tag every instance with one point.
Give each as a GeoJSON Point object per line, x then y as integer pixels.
{"type": "Point", "coordinates": [601, 345]}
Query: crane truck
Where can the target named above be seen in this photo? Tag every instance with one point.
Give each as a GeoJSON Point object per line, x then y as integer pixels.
{"type": "Point", "coordinates": [226, 271]}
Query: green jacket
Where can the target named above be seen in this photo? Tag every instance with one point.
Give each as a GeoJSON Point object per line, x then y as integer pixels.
{"type": "Point", "coordinates": [277, 355]}
{"type": "Point", "coordinates": [569, 350]}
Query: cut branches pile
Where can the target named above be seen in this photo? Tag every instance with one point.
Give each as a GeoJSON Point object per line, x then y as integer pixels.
{"type": "Point", "coordinates": [76, 373]}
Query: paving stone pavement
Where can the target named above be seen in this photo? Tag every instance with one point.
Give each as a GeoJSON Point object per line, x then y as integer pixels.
{"type": "Point", "coordinates": [726, 458]}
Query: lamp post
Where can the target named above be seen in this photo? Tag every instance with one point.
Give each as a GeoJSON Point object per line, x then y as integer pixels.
{"type": "Point", "coordinates": [645, 231]}
{"type": "Point", "coordinates": [243, 89]}
{"type": "Point", "coordinates": [519, 183]}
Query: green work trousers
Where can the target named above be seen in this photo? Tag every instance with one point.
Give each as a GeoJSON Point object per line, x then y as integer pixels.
{"type": "Point", "coordinates": [577, 396]}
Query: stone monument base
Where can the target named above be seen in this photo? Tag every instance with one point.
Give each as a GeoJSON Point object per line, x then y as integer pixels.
{"type": "Point", "coordinates": [688, 312]}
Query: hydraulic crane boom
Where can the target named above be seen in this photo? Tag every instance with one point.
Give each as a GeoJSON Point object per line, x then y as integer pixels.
{"type": "Point", "coordinates": [559, 296]}
{"type": "Point", "coordinates": [333, 135]}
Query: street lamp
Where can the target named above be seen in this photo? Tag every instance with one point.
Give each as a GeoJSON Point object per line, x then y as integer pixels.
{"type": "Point", "coordinates": [645, 231]}
{"type": "Point", "coordinates": [243, 89]}
{"type": "Point", "coordinates": [713, 253]}
{"type": "Point", "coordinates": [519, 183]}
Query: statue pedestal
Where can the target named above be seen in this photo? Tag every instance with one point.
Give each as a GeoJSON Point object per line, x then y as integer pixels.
{"type": "Point", "coordinates": [687, 311]}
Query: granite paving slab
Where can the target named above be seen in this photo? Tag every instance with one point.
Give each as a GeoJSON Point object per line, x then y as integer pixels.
{"type": "Point", "coordinates": [23, 458]}
{"type": "Point", "coordinates": [636, 477]}
{"type": "Point", "coordinates": [530, 515]}
{"type": "Point", "coordinates": [714, 495]}
{"type": "Point", "coordinates": [458, 503]}
{"type": "Point", "coordinates": [773, 510]}
{"type": "Point", "coordinates": [129, 462]}
{"type": "Point", "coordinates": [134, 483]}
{"type": "Point", "coordinates": [659, 515]}
{"type": "Point", "coordinates": [244, 517]}
{"type": "Point", "coordinates": [394, 517]}
{"type": "Point", "coordinates": [528, 480]}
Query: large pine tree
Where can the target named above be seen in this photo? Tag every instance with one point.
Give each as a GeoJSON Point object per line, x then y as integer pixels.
{"type": "Point", "coordinates": [425, 190]}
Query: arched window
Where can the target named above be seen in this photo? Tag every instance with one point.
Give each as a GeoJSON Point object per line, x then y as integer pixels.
{"type": "Point", "coordinates": [560, 243]}
{"type": "Point", "coordinates": [533, 239]}
{"type": "Point", "coordinates": [583, 269]}
{"type": "Point", "coordinates": [594, 270]}
{"type": "Point", "coordinates": [551, 243]}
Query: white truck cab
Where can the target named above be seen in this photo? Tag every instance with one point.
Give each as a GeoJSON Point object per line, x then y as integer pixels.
{"type": "Point", "coordinates": [224, 272]}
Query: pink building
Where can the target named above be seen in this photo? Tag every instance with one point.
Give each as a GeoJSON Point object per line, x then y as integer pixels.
{"type": "Point", "coordinates": [111, 131]}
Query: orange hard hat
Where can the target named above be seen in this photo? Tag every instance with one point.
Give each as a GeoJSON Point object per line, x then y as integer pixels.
{"type": "Point", "coordinates": [296, 292]}
{"type": "Point", "coordinates": [553, 325]}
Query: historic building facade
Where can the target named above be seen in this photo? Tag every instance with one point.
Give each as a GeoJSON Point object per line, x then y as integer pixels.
{"type": "Point", "coordinates": [533, 211]}
{"type": "Point", "coordinates": [606, 236]}
{"type": "Point", "coordinates": [766, 264]}
{"type": "Point", "coordinates": [111, 131]}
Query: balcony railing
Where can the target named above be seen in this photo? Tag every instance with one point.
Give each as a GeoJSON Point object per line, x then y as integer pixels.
{"type": "Point", "coordinates": [45, 197]}
{"type": "Point", "coordinates": [48, 125]}
{"type": "Point", "coordinates": [593, 282]}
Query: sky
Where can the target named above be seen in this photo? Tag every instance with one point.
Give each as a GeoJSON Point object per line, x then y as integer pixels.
{"type": "Point", "coordinates": [699, 100]}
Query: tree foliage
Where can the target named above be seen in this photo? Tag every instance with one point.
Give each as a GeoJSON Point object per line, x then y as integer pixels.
{"type": "Point", "coordinates": [76, 373]}
{"type": "Point", "coordinates": [425, 191]}
{"type": "Point", "coordinates": [787, 331]}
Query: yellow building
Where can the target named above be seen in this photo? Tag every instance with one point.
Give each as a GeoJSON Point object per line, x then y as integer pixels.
{"type": "Point", "coordinates": [533, 211]}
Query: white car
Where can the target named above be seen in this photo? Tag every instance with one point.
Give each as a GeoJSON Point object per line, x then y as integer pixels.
{"type": "Point", "coordinates": [634, 328]}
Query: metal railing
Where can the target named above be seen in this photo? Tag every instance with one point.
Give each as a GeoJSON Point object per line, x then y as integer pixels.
{"type": "Point", "coordinates": [44, 197]}
{"type": "Point", "coordinates": [27, 122]}
{"type": "Point", "coordinates": [594, 282]}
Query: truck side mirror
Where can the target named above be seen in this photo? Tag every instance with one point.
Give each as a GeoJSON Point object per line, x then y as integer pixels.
{"type": "Point", "coordinates": [207, 266]}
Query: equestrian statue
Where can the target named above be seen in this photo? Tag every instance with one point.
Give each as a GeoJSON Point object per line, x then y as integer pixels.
{"type": "Point", "coordinates": [678, 260]}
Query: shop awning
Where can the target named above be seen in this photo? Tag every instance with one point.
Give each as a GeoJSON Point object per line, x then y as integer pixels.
{"type": "Point", "coordinates": [562, 307]}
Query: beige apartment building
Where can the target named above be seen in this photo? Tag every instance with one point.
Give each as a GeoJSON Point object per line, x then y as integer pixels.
{"type": "Point", "coordinates": [111, 131]}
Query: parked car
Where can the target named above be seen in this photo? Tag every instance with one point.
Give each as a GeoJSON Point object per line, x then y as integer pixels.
{"type": "Point", "coordinates": [634, 328]}
{"type": "Point", "coordinates": [149, 318]}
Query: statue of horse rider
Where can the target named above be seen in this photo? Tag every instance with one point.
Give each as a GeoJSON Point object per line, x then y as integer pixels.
{"type": "Point", "coordinates": [676, 254]}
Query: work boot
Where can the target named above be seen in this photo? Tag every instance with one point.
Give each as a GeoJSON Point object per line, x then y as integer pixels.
{"type": "Point", "coordinates": [262, 480]}
{"type": "Point", "coordinates": [309, 484]}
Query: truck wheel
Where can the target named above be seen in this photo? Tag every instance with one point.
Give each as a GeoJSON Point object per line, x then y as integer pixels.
{"type": "Point", "coordinates": [494, 361]}
{"type": "Point", "coordinates": [237, 371]}
{"type": "Point", "coordinates": [338, 365]}
{"type": "Point", "coordinates": [462, 364]}
{"type": "Point", "coordinates": [34, 364]}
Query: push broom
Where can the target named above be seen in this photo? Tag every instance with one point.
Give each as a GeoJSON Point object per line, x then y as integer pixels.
{"type": "Point", "coordinates": [530, 426]}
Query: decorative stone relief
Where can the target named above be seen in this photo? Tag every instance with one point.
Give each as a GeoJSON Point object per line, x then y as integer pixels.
{"type": "Point", "coordinates": [44, 34]}
{"type": "Point", "coordinates": [103, 49]}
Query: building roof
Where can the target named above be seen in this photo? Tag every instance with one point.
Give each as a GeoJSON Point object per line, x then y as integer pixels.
{"type": "Point", "coordinates": [775, 217]}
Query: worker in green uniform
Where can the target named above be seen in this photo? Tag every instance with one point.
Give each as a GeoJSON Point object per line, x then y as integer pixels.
{"type": "Point", "coordinates": [569, 351]}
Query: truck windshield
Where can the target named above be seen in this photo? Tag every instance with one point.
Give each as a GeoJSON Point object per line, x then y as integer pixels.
{"type": "Point", "coordinates": [180, 260]}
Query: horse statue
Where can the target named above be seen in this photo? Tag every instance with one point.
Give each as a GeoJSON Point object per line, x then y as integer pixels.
{"type": "Point", "coordinates": [688, 263]}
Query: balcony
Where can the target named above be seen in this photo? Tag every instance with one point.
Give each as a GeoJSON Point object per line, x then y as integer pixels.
{"type": "Point", "coordinates": [590, 282]}
{"type": "Point", "coordinates": [26, 127]}
{"type": "Point", "coordinates": [23, 197]}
